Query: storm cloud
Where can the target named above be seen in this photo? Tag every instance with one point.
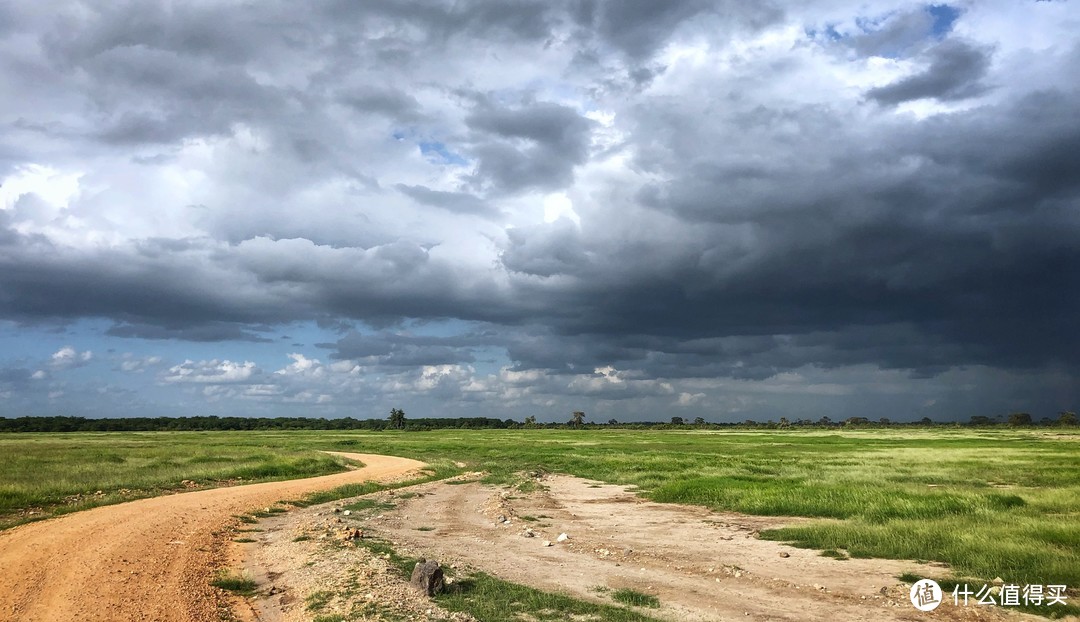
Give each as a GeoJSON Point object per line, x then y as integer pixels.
{"type": "Point", "coordinates": [633, 208]}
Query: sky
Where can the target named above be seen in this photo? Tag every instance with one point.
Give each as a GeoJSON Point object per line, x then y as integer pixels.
{"type": "Point", "coordinates": [638, 209]}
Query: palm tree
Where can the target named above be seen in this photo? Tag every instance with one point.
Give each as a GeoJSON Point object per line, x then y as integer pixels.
{"type": "Point", "coordinates": [578, 420]}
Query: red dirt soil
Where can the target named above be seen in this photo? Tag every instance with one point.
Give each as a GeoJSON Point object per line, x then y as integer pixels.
{"type": "Point", "coordinates": [151, 559]}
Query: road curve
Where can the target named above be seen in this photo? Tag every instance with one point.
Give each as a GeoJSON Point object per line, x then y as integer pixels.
{"type": "Point", "coordinates": [146, 560]}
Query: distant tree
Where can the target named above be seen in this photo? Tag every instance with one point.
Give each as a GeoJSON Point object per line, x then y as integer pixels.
{"type": "Point", "coordinates": [980, 420]}
{"type": "Point", "coordinates": [397, 419]}
{"type": "Point", "coordinates": [926, 421]}
{"type": "Point", "coordinates": [699, 420]}
{"type": "Point", "coordinates": [1066, 417]}
{"type": "Point", "coordinates": [884, 421]}
{"type": "Point", "coordinates": [856, 421]}
{"type": "Point", "coordinates": [784, 422]}
{"type": "Point", "coordinates": [530, 421]}
{"type": "Point", "coordinates": [612, 422]}
{"type": "Point", "coordinates": [824, 421]}
{"type": "Point", "coordinates": [1020, 419]}
{"type": "Point", "coordinates": [577, 419]}
{"type": "Point", "coordinates": [677, 421]}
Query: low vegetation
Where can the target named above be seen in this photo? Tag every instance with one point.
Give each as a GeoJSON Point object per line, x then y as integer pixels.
{"type": "Point", "coordinates": [488, 598]}
{"type": "Point", "coordinates": [999, 502]}
{"type": "Point", "coordinates": [47, 474]}
{"type": "Point", "coordinates": [635, 598]}
{"type": "Point", "coordinates": [235, 583]}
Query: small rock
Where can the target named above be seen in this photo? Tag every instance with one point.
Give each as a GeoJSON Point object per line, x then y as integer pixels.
{"type": "Point", "coordinates": [547, 543]}
{"type": "Point", "coordinates": [427, 576]}
{"type": "Point", "coordinates": [998, 581]}
{"type": "Point", "coordinates": [336, 510]}
{"type": "Point", "coordinates": [884, 589]}
{"type": "Point", "coordinates": [500, 519]}
{"type": "Point", "coordinates": [529, 533]}
{"type": "Point", "coordinates": [562, 538]}
{"type": "Point", "coordinates": [785, 554]}
{"type": "Point", "coordinates": [347, 512]}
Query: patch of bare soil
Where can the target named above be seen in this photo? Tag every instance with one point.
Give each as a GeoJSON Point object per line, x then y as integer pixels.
{"type": "Point", "coordinates": [311, 563]}
{"type": "Point", "coordinates": [145, 560]}
{"type": "Point", "coordinates": [702, 565]}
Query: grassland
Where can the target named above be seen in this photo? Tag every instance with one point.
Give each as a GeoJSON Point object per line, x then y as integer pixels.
{"type": "Point", "coordinates": [990, 503]}
{"type": "Point", "coordinates": [48, 474]}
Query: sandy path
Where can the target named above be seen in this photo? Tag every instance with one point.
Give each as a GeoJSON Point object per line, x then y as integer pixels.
{"type": "Point", "coordinates": [144, 560]}
{"type": "Point", "coordinates": [703, 565]}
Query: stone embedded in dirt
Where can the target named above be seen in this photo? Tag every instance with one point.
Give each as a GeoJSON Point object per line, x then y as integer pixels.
{"type": "Point", "coordinates": [562, 538]}
{"type": "Point", "coordinates": [347, 512]}
{"type": "Point", "coordinates": [528, 533]}
{"type": "Point", "coordinates": [427, 576]}
{"type": "Point", "coordinates": [547, 543]}
{"type": "Point", "coordinates": [336, 510]}
{"type": "Point", "coordinates": [785, 554]}
{"type": "Point", "coordinates": [500, 519]}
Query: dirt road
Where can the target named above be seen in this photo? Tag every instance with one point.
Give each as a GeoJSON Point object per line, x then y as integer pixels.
{"type": "Point", "coordinates": [702, 565]}
{"type": "Point", "coordinates": [146, 560]}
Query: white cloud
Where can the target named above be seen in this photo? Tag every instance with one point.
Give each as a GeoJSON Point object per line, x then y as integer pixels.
{"type": "Point", "coordinates": [131, 363]}
{"type": "Point", "coordinates": [67, 357]}
{"type": "Point", "coordinates": [210, 372]}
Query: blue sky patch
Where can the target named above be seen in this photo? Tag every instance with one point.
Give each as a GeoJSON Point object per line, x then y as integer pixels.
{"type": "Point", "coordinates": [435, 150]}
{"type": "Point", "coordinates": [944, 18]}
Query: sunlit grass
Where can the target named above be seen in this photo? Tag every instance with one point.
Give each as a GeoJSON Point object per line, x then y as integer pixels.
{"type": "Point", "coordinates": [989, 503]}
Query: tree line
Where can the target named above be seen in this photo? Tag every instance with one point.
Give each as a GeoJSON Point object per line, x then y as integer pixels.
{"type": "Point", "coordinates": [398, 421]}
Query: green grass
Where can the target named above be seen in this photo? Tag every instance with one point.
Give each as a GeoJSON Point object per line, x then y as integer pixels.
{"type": "Point", "coordinates": [635, 598]}
{"type": "Point", "coordinates": [493, 600]}
{"type": "Point", "coordinates": [235, 583]}
{"type": "Point", "coordinates": [988, 502]}
{"type": "Point", "coordinates": [369, 505]}
{"type": "Point", "coordinates": [317, 601]}
{"type": "Point", "coordinates": [53, 474]}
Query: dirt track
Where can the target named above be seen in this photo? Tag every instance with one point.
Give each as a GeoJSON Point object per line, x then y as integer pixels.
{"type": "Point", "coordinates": [144, 560]}
{"type": "Point", "coordinates": [702, 565]}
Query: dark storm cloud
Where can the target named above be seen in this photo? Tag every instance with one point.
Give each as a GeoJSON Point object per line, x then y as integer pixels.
{"type": "Point", "coordinates": [393, 350]}
{"type": "Point", "coordinates": [386, 101]}
{"type": "Point", "coordinates": [207, 331]}
{"type": "Point", "coordinates": [955, 71]}
{"type": "Point", "coordinates": [638, 28]}
{"type": "Point", "coordinates": [200, 290]}
{"type": "Point", "coordinates": [545, 250]}
{"type": "Point", "coordinates": [742, 231]}
{"type": "Point", "coordinates": [534, 145]}
{"type": "Point", "coordinates": [963, 232]}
